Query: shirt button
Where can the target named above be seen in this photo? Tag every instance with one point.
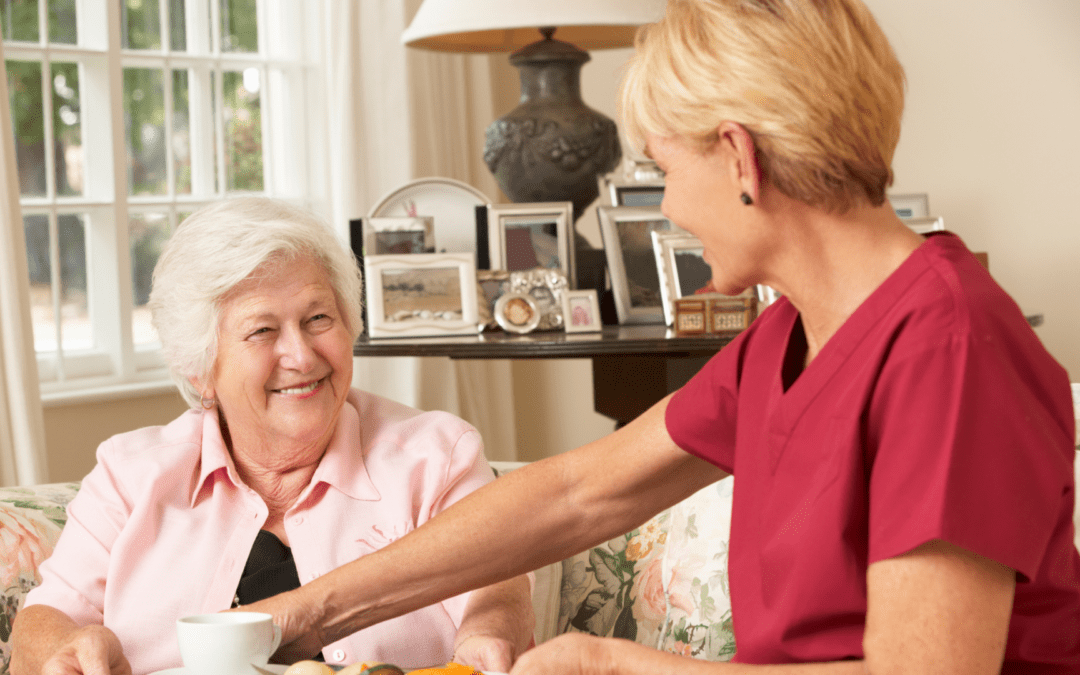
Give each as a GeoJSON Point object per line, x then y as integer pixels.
{"type": "Point", "coordinates": [297, 520]}
{"type": "Point", "coordinates": [339, 655]}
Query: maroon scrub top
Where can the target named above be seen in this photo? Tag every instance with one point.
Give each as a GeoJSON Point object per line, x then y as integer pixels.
{"type": "Point", "coordinates": [934, 412]}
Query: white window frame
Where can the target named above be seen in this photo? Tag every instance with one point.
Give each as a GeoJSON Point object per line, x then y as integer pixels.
{"type": "Point", "coordinates": [290, 81]}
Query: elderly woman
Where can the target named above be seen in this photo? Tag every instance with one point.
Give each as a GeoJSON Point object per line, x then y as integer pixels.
{"type": "Point", "coordinates": [900, 439]}
{"type": "Point", "coordinates": [279, 473]}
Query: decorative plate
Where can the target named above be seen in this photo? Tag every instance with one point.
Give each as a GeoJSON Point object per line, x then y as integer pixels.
{"type": "Point", "coordinates": [450, 202]}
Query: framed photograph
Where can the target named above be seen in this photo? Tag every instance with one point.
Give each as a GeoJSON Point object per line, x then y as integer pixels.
{"type": "Point", "coordinates": [617, 191]}
{"type": "Point", "coordinates": [924, 225]}
{"type": "Point", "coordinates": [530, 235]}
{"type": "Point", "coordinates": [389, 235]}
{"type": "Point", "coordinates": [517, 313]}
{"type": "Point", "coordinates": [910, 206]}
{"type": "Point", "coordinates": [546, 288]}
{"type": "Point", "coordinates": [681, 266]}
{"type": "Point", "coordinates": [581, 311]}
{"type": "Point", "coordinates": [635, 281]}
{"type": "Point", "coordinates": [421, 294]}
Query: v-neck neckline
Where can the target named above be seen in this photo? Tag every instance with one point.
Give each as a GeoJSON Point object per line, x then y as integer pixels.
{"type": "Point", "coordinates": [795, 386]}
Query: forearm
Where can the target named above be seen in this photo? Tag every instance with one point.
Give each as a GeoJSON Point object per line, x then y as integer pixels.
{"type": "Point", "coordinates": [503, 611]}
{"type": "Point", "coordinates": [39, 632]}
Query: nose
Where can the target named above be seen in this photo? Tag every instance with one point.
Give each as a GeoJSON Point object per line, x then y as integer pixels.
{"type": "Point", "coordinates": [295, 350]}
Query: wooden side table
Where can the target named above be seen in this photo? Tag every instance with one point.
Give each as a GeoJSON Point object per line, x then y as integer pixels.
{"type": "Point", "coordinates": [633, 366]}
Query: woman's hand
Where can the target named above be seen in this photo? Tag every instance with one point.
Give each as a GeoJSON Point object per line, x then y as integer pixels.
{"type": "Point", "coordinates": [568, 654]}
{"type": "Point", "coordinates": [485, 652]}
{"type": "Point", "coordinates": [90, 650]}
{"type": "Point", "coordinates": [300, 635]}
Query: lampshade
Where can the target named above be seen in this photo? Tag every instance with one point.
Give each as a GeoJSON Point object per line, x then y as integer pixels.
{"type": "Point", "coordinates": [508, 25]}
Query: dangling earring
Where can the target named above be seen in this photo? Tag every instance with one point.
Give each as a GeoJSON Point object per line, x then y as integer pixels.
{"type": "Point", "coordinates": [207, 403]}
{"type": "Point", "coordinates": [746, 199]}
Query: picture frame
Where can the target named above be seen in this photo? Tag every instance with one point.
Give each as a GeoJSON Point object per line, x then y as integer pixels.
{"type": "Point", "coordinates": [925, 225]}
{"type": "Point", "coordinates": [618, 191]}
{"type": "Point", "coordinates": [490, 286]}
{"type": "Point", "coordinates": [397, 235]}
{"type": "Point", "coordinates": [635, 280]}
{"type": "Point", "coordinates": [681, 268]}
{"type": "Point", "coordinates": [530, 235]}
{"type": "Point", "coordinates": [910, 205]}
{"type": "Point", "coordinates": [517, 312]}
{"type": "Point", "coordinates": [546, 287]}
{"type": "Point", "coordinates": [581, 311]}
{"type": "Point", "coordinates": [421, 294]}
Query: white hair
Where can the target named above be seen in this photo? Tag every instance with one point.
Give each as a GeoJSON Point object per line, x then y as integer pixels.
{"type": "Point", "coordinates": [220, 246]}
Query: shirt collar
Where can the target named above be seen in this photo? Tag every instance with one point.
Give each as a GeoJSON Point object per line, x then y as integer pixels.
{"type": "Point", "coordinates": [342, 466]}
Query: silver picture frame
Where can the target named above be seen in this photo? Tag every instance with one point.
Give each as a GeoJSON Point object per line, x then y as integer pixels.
{"type": "Point", "coordinates": [530, 235]}
{"type": "Point", "coordinates": [910, 205]}
{"type": "Point", "coordinates": [925, 225]}
{"type": "Point", "coordinates": [635, 280]}
{"type": "Point", "coordinates": [421, 294]}
{"type": "Point", "coordinates": [681, 267]}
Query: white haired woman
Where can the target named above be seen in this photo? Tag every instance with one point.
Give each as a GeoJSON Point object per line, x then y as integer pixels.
{"type": "Point", "coordinates": [279, 473]}
{"type": "Point", "coordinates": [901, 441]}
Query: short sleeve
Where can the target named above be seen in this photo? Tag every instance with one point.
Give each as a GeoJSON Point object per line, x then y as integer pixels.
{"type": "Point", "coordinates": [73, 577]}
{"type": "Point", "coordinates": [701, 415]}
{"type": "Point", "coordinates": [970, 446]}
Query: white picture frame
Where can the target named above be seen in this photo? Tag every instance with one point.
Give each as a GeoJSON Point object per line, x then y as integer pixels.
{"type": "Point", "coordinates": [681, 267]}
{"type": "Point", "coordinates": [618, 191]}
{"type": "Point", "coordinates": [421, 295]}
{"type": "Point", "coordinates": [581, 311]}
{"type": "Point", "coordinates": [910, 205]}
{"type": "Point", "coordinates": [635, 279]}
{"type": "Point", "coordinates": [398, 235]}
{"type": "Point", "coordinates": [925, 225]}
{"type": "Point", "coordinates": [532, 234]}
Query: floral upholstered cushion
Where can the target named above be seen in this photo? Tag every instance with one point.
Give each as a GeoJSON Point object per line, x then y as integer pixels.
{"type": "Point", "coordinates": [698, 620]}
{"type": "Point", "coordinates": [663, 585]}
{"type": "Point", "coordinates": [30, 523]}
{"type": "Point", "coordinates": [614, 590]}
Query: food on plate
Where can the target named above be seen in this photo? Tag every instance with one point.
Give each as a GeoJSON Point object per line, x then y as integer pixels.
{"type": "Point", "coordinates": [309, 668]}
{"type": "Point", "coordinates": [448, 669]}
{"type": "Point", "coordinates": [371, 668]}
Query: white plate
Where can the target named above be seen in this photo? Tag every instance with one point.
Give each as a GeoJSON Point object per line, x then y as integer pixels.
{"type": "Point", "coordinates": [275, 668]}
{"type": "Point", "coordinates": [450, 202]}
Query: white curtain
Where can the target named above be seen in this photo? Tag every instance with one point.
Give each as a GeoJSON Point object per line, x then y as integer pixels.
{"type": "Point", "coordinates": [22, 427]}
{"type": "Point", "coordinates": [395, 115]}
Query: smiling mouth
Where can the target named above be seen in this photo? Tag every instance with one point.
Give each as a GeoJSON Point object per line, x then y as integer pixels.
{"type": "Point", "coordinates": [302, 389]}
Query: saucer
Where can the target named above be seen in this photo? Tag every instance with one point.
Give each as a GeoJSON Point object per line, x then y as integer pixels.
{"type": "Point", "coordinates": [270, 669]}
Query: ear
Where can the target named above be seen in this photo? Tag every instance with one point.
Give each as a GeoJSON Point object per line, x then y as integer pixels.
{"type": "Point", "coordinates": [205, 389]}
{"type": "Point", "coordinates": [736, 140]}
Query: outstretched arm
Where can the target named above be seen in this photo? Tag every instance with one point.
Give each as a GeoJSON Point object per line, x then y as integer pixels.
{"type": "Point", "coordinates": [531, 517]}
{"type": "Point", "coordinates": [45, 641]}
{"type": "Point", "coordinates": [497, 627]}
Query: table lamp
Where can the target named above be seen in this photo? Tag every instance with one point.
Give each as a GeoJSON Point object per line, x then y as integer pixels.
{"type": "Point", "coordinates": [552, 146]}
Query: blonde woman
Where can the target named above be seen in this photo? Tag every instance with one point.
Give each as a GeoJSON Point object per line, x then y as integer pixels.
{"type": "Point", "coordinates": [900, 439]}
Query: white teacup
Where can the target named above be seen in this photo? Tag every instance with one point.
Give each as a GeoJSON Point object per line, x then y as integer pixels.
{"type": "Point", "coordinates": [227, 644]}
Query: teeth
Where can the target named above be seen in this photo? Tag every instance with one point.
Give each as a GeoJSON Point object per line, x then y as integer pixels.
{"type": "Point", "coordinates": [300, 390]}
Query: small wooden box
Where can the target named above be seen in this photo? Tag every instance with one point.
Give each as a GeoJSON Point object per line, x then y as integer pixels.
{"type": "Point", "coordinates": [713, 313]}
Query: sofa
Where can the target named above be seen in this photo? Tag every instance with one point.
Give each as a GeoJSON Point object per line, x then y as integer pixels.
{"type": "Point", "coordinates": [662, 584]}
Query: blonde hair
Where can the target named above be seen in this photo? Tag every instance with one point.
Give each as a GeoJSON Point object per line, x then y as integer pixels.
{"type": "Point", "coordinates": [218, 247]}
{"type": "Point", "coordinates": [814, 82]}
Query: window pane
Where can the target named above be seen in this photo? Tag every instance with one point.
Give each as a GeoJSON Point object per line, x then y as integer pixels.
{"type": "Point", "coordinates": [74, 306]}
{"type": "Point", "coordinates": [177, 26]}
{"type": "Point", "coordinates": [149, 232]}
{"type": "Point", "coordinates": [62, 26]}
{"type": "Point", "coordinates": [243, 130]}
{"type": "Point", "coordinates": [144, 108]}
{"type": "Point", "coordinates": [238, 28]}
{"type": "Point", "coordinates": [36, 228]}
{"type": "Point", "coordinates": [67, 126]}
{"type": "Point", "coordinates": [141, 24]}
{"type": "Point", "coordinates": [20, 19]}
{"type": "Point", "coordinates": [24, 90]}
{"type": "Point", "coordinates": [181, 136]}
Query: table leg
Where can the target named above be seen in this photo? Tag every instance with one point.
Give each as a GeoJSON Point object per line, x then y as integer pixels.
{"type": "Point", "coordinates": [626, 386]}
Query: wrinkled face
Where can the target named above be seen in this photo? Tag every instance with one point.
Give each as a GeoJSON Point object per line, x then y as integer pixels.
{"type": "Point", "coordinates": [701, 195]}
{"type": "Point", "coordinates": [284, 361]}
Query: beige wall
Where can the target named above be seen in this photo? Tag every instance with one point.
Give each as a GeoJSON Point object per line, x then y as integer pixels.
{"type": "Point", "coordinates": [73, 432]}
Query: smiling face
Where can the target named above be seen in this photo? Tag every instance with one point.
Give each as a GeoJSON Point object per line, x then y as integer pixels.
{"type": "Point", "coordinates": [284, 363]}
